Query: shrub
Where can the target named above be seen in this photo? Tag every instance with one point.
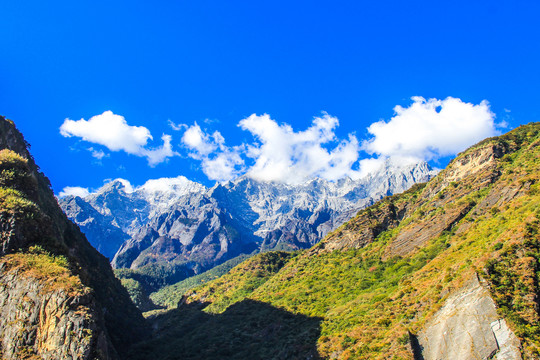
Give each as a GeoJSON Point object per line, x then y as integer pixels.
{"type": "Point", "coordinates": [15, 173]}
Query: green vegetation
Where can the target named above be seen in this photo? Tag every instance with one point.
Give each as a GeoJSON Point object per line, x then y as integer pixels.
{"type": "Point", "coordinates": [169, 296]}
{"type": "Point", "coordinates": [241, 281]}
{"type": "Point", "coordinates": [15, 203]}
{"type": "Point", "coordinates": [153, 277]}
{"type": "Point", "coordinates": [149, 286]}
{"type": "Point", "coordinates": [137, 294]}
{"type": "Point", "coordinates": [15, 173]}
{"type": "Point", "coordinates": [514, 277]}
{"type": "Point", "coordinates": [363, 300]}
{"type": "Point", "coordinates": [142, 282]}
{"type": "Point", "coordinates": [247, 330]}
{"type": "Point", "coordinates": [40, 264]}
{"type": "Point", "coordinates": [16, 183]}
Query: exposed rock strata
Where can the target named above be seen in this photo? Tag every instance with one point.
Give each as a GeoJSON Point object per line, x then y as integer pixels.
{"type": "Point", "coordinates": [468, 327]}
{"type": "Point", "coordinates": [49, 322]}
{"type": "Point", "coordinates": [474, 170]}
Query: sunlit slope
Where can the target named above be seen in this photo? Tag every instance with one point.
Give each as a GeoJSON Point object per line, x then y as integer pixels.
{"type": "Point", "coordinates": [371, 285]}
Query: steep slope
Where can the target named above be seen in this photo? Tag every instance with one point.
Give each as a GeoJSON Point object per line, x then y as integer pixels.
{"type": "Point", "coordinates": [191, 228]}
{"type": "Point", "coordinates": [448, 269]}
{"type": "Point", "coordinates": [59, 298]}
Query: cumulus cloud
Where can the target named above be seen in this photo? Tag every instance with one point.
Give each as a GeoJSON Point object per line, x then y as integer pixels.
{"type": "Point", "coordinates": [278, 153]}
{"type": "Point", "coordinates": [201, 143]}
{"type": "Point", "coordinates": [109, 130]}
{"type": "Point", "coordinates": [431, 129]}
{"type": "Point", "coordinates": [281, 154]}
{"type": "Point", "coordinates": [218, 161]}
{"type": "Point", "coordinates": [74, 191]}
{"type": "Point", "coordinates": [224, 166]}
{"type": "Point", "coordinates": [113, 132]}
{"type": "Point", "coordinates": [425, 130]}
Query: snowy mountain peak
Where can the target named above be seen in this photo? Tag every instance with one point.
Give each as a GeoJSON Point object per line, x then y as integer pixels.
{"type": "Point", "coordinates": [179, 221]}
{"type": "Point", "coordinates": [118, 185]}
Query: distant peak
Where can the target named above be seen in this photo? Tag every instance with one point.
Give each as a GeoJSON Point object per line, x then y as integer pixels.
{"type": "Point", "coordinates": [176, 184]}
{"type": "Point", "coordinates": [116, 184]}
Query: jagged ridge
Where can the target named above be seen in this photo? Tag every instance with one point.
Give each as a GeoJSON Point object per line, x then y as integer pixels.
{"type": "Point", "coordinates": [197, 228]}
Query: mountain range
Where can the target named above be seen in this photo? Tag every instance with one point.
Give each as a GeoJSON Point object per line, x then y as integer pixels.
{"type": "Point", "coordinates": [183, 225]}
{"type": "Point", "coordinates": [448, 269]}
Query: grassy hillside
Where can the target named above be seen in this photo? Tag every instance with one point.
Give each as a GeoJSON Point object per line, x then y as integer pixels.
{"type": "Point", "coordinates": [169, 296]}
{"type": "Point", "coordinates": [149, 287]}
{"type": "Point", "coordinates": [243, 280]}
{"type": "Point", "coordinates": [377, 279]}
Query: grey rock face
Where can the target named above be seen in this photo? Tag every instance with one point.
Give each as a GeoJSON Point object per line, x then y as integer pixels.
{"type": "Point", "coordinates": [509, 344]}
{"type": "Point", "coordinates": [200, 227]}
{"type": "Point", "coordinates": [468, 327]}
{"type": "Point", "coordinates": [108, 237]}
{"type": "Point", "coordinates": [49, 323]}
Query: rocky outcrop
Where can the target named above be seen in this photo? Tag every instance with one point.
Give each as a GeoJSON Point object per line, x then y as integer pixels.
{"type": "Point", "coordinates": [366, 226]}
{"type": "Point", "coordinates": [419, 233]}
{"type": "Point", "coordinates": [48, 319]}
{"type": "Point", "coordinates": [468, 327]}
{"type": "Point", "coordinates": [97, 226]}
{"type": "Point", "coordinates": [425, 212]}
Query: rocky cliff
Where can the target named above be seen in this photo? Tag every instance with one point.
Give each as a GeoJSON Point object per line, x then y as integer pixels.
{"type": "Point", "coordinates": [468, 327]}
{"type": "Point", "coordinates": [58, 296]}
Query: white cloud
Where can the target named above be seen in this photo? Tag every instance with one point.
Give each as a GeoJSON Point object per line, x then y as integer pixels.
{"type": "Point", "coordinates": [128, 188]}
{"type": "Point", "coordinates": [156, 156]}
{"type": "Point", "coordinates": [97, 153]}
{"type": "Point", "coordinates": [281, 154]}
{"type": "Point", "coordinates": [74, 191]}
{"type": "Point", "coordinates": [176, 127]}
{"type": "Point", "coordinates": [425, 130]}
{"type": "Point", "coordinates": [199, 142]}
{"type": "Point", "coordinates": [224, 166]}
{"type": "Point", "coordinates": [179, 183]}
{"type": "Point", "coordinates": [430, 129]}
{"type": "Point", "coordinates": [113, 132]}
{"type": "Point", "coordinates": [218, 161]}
{"type": "Point", "coordinates": [109, 130]}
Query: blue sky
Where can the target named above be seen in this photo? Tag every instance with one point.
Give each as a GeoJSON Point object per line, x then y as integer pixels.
{"type": "Point", "coordinates": [216, 63]}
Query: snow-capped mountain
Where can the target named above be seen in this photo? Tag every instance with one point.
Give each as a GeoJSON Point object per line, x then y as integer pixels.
{"type": "Point", "coordinates": [180, 222]}
{"type": "Point", "coordinates": [116, 211]}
